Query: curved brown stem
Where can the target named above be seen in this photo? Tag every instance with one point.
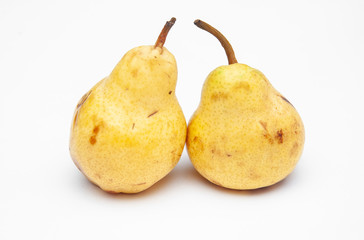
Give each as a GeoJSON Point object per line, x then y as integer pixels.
{"type": "Point", "coordinates": [163, 35]}
{"type": "Point", "coordinates": [224, 42]}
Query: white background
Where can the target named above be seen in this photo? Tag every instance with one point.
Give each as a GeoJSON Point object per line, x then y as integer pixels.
{"type": "Point", "coordinates": [52, 52]}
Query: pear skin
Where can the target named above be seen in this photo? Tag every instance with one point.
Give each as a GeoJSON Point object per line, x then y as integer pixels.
{"type": "Point", "coordinates": [129, 131]}
{"type": "Point", "coordinates": [244, 134]}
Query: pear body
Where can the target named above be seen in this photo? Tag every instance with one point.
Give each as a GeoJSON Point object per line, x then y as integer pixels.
{"type": "Point", "coordinates": [129, 131]}
{"type": "Point", "coordinates": [244, 134]}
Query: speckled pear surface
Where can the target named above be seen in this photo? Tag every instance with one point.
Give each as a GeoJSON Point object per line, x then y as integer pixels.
{"type": "Point", "coordinates": [129, 131]}
{"type": "Point", "coordinates": [244, 134]}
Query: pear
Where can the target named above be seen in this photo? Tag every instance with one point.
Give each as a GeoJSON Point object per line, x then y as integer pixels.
{"type": "Point", "coordinates": [129, 131]}
{"type": "Point", "coordinates": [244, 134]}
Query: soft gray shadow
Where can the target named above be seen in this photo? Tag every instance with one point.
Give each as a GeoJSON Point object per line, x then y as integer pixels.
{"type": "Point", "coordinates": [185, 171]}
{"type": "Point", "coordinates": [175, 175]}
{"type": "Point", "coordinates": [195, 176]}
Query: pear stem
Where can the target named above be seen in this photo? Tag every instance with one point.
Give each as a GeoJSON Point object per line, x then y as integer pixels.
{"type": "Point", "coordinates": [224, 42]}
{"type": "Point", "coordinates": [163, 35]}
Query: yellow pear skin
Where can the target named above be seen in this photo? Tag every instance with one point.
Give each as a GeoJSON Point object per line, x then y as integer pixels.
{"type": "Point", "coordinates": [129, 131]}
{"type": "Point", "coordinates": [244, 134]}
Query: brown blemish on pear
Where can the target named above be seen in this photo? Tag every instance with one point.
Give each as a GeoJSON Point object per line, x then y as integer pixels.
{"type": "Point", "coordinates": [93, 140]}
{"type": "Point", "coordinates": [268, 137]}
{"type": "Point", "coordinates": [138, 184]}
{"type": "Point", "coordinates": [264, 125]}
{"type": "Point", "coordinates": [285, 99]}
{"type": "Point", "coordinates": [152, 114]}
{"type": "Point", "coordinates": [95, 131]}
{"type": "Point", "coordinates": [279, 136]}
{"type": "Point", "coordinates": [216, 151]}
{"type": "Point", "coordinates": [78, 107]}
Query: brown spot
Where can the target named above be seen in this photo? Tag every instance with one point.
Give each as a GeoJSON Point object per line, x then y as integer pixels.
{"type": "Point", "coordinates": [134, 73]}
{"type": "Point", "coordinates": [92, 140]}
{"type": "Point", "coordinates": [294, 149]}
{"type": "Point", "coordinates": [285, 99]}
{"type": "Point", "coordinates": [279, 136]}
{"type": "Point", "coordinates": [175, 154]}
{"type": "Point", "coordinates": [138, 184]}
{"type": "Point", "coordinates": [217, 151]}
{"type": "Point", "coordinates": [152, 114]}
{"type": "Point", "coordinates": [229, 155]}
{"type": "Point", "coordinates": [96, 130]}
{"type": "Point", "coordinates": [133, 126]}
{"type": "Point", "coordinates": [268, 137]}
{"type": "Point", "coordinates": [219, 96]}
{"type": "Point", "coordinates": [170, 92]}
{"type": "Point", "coordinates": [264, 125]}
{"type": "Point", "coordinates": [79, 105]}
{"type": "Point", "coordinates": [169, 76]}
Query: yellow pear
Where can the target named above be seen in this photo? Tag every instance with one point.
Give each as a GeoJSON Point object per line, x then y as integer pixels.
{"type": "Point", "coordinates": [128, 131]}
{"type": "Point", "coordinates": [244, 134]}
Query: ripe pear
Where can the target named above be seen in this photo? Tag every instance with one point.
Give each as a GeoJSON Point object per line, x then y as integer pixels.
{"type": "Point", "coordinates": [244, 134]}
{"type": "Point", "coordinates": [128, 131]}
